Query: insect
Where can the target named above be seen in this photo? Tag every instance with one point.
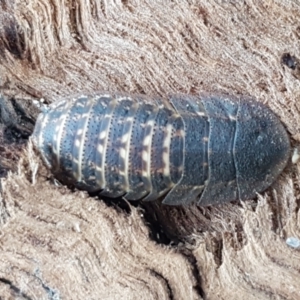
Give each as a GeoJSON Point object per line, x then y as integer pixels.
{"type": "Point", "coordinates": [207, 149]}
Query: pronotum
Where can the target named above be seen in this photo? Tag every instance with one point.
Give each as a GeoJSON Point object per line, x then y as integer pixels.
{"type": "Point", "coordinates": [207, 149]}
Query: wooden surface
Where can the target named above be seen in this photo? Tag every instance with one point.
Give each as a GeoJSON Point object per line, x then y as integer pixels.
{"type": "Point", "coordinates": [58, 244]}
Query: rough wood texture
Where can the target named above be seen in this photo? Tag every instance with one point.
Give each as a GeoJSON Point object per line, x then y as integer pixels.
{"type": "Point", "coordinates": [56, 244]}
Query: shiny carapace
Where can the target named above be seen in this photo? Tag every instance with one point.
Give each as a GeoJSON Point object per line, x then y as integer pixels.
{"type": "Point", "coordinates": [207, 149]}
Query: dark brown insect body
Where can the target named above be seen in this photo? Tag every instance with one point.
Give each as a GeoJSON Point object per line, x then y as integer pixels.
{"type": "Point", "coordinates": [205, 149]}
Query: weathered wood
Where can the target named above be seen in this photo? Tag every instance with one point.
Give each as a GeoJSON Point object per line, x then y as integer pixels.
{"type": "Point", "coordinates": [61, 244]}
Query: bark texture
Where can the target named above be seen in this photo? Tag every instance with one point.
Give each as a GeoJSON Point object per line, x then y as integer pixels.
{"type": "Point", "coordinates": [59, 244]}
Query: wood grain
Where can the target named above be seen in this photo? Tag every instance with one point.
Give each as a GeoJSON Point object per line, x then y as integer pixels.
{"type": "Point", "coordinates": [58, 244]}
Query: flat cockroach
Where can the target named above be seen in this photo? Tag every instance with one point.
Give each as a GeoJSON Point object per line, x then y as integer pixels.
{"type": "Point", "coordinates": [207, 149]}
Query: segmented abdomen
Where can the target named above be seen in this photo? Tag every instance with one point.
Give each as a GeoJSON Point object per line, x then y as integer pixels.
{"type": "Point", "coordinates": [207, 149]}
